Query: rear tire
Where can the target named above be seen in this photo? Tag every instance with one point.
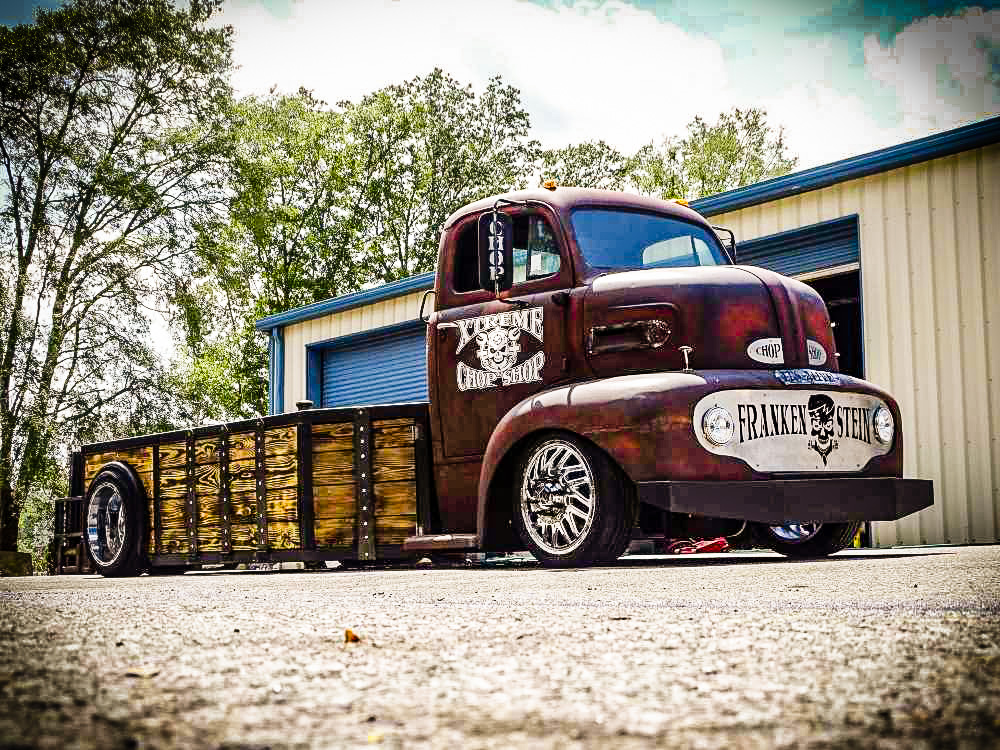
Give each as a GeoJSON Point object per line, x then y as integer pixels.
{"type": "Point", "coordinates": [803, 539]}
{"type": "Point", "coordinates": [113, 522]}
{"type": "Point", "coordinates": [570, 508]}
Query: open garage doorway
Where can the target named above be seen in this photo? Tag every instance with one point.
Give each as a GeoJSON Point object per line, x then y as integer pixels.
{"type": "Point", "coordinates": [842, 294]}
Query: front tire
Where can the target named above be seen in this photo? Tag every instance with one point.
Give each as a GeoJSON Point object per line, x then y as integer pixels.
{"type": "Point", "coordinates": [570, 508]}
{"type": "Point", "coordinates": [113, 522]}
{"type": "Point", "coordinates": [806, 539]}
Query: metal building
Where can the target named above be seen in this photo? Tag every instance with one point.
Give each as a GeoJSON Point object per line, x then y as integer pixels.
{"type": "Point", "coordinates": [903, 244]}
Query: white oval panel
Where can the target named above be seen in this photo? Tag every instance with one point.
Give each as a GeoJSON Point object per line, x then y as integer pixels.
{"type": "Point", "coordinates": [817, 354]}
{"type": "Point", "coordinates": [767, 351]}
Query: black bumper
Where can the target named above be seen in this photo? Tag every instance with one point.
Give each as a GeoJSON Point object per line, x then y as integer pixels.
{"type": "Point", "coordinates": [779, 500]}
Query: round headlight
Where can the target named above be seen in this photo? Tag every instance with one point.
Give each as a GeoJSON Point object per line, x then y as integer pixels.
{"type": "Point", "coordinates": [718, 425]}
{"type": "Point", "coordinates": [883, 424]}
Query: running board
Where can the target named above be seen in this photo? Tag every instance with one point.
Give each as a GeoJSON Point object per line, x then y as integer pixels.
{"type": "Point", "coordinates": [432, 542]}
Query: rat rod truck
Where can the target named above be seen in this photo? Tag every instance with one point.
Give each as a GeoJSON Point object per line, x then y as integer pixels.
{"type": "Point", "coordinates": [596, 364]}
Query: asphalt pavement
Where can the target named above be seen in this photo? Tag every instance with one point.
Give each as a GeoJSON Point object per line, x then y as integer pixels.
{"type": "Point", "coordinates": [889, 648]}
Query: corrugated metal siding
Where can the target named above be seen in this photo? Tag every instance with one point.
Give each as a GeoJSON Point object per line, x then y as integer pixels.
{"type": "Point", "coordinates": [299, 335]}
{"type": "Point", "coordinates": [823, 245]}
{"type": "Point", "coordinates": [930, 275]}
{"type": "Point", "coordinates": [386, 368]}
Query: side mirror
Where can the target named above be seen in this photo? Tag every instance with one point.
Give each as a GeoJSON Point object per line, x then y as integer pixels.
{"type": "Point", "coordinates": [496, 252]}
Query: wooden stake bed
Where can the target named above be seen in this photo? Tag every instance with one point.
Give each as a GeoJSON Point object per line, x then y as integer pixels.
{"type": "Point", "coordinates": [310, 485]}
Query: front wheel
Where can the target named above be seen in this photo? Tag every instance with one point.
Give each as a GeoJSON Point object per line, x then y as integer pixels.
{"type": "Point", "coordinates": [571, 507]}
{"type": "Point", "coordinates": [806, 539]}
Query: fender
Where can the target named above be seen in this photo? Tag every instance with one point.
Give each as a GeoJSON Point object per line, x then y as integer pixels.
{"type": "Point", "coordinates": [644, 423]}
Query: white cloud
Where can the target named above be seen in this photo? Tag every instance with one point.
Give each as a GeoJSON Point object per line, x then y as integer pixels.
{"type": "Point", "coordinates": [593, 70]}
{"type": "Point", "coordinates": [940, 69]}
{"type": "Point", "coordinates": [606, 70]}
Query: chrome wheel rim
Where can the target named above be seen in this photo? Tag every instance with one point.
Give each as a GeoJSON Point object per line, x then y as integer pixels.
{"type": "Point", "coordinates": [106, 523]}
{"type": "Point", "coordinates": [797, 532]}
{"type": "Point", "coordinates": [558, 497]}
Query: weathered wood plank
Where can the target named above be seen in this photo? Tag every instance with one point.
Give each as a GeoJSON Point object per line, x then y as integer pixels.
{"type": "Point", "coordinates": [174, 541]}
{"type": "Point", "coordinates": [241, 446]}
{"type": "Point", "coordinates": [209, 539]}
{"type": "Point", "coordinates": [208, 479]}
{"type": "Point", "coordinates": [173, 512]}
{"type": "Point", "coordinates": [394, 464]}
{"type": "Point", "coordinates": [279, 480]}
{"type": "Point", "coordinates": [334, 501]}
{"type": "Point", "coordinates": [243, 537]}
{"type": "Point", "coordinates": [209, 512]}
{"type": "Point", "coordinates": [243, 508]}
{"type": "Point", "coordinates": [242, 476]}
{"type": "Point", "coordinates": [173, 483]}
{"type": "Point", "coordinates": [280, 464]}
{"type": "Point", "coordinates": [334, 532]}
{"type": "Point", "coordinates": [393, 433]}
{"type": "Point", "coordinates": [333, 475]}
{"type": "Point", "coordinates": [339, 433]}
{"type": "Point", "coordinates": [394, 529]}
{"type": "Point", "coordinates": [283, 535]}
{"type": "Point", "coordinates": [395, 498]}
{"type": "Point", "coordinates": [206, 450]}
{"type": "Point", "coordinates": [283, 505]}
{"type": "Point", "coordinates": [279, 442]}
{"type": "Point", "coordinates": [139, 458]}
{"type": "Point", "coordinates": [173, 455]}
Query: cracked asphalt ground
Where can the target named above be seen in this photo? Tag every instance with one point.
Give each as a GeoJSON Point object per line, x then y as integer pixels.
{"type": "Point", "coordinates": [894, 648]}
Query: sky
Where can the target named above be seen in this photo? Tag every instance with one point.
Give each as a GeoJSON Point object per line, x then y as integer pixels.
{"type": "Point", "coordinates": [842, 77]}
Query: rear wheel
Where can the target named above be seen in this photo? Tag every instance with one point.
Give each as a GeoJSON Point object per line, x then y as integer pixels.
{"type": "Point", "coordinates": [570, 507]}
{"type": "Point", "coordinates": [113, 517]}
{"type": "Point", "coordinates": [806, 538]}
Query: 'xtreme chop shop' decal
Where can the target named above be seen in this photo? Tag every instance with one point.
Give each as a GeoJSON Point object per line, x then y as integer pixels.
{"type": "Point", "coordinates": [498, 349]}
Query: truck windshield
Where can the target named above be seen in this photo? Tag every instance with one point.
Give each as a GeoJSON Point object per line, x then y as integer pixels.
{"type": "Point", "coordinates": [616, 240]}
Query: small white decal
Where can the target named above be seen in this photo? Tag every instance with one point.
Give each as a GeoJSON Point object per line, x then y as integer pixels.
{"type": "Point", "coordinates": [770, 352]}
{"type": "Point", "coordinates": [817, 354]}
{"type": "Point", "coordinates": [767, 351]}
{"type": "Point", "coordinates": [498, 347]}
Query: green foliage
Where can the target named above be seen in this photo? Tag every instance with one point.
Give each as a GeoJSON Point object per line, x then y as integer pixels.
{"type": "Point", "coordinates": [592, 164]}
{"type": "Point", "coordinates": [108, 120]}
{"type": "Point", "coordinates": [741, 148]}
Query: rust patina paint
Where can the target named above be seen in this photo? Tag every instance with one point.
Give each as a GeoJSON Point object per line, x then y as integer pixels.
{"type": "Point", "coordinates": [643, 422]}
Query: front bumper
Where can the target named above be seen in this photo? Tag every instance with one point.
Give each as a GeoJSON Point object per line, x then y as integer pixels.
{"type": "Point", "coordinates": [781, 500]}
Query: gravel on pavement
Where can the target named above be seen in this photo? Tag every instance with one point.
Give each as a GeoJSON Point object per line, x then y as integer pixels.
{"type": "Point", "coordinates": [889, 648]}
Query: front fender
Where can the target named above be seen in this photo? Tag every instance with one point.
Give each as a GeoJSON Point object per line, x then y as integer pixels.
{"type": "Point", "coordinates": [644, 423]}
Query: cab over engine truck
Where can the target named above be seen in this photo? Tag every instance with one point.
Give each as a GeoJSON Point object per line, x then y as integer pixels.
{"type": "Point", "coordinates": [596, 363]}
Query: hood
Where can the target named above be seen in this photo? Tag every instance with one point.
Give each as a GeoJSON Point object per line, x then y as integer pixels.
{"type": "Point", "coordinates": [732, 317]}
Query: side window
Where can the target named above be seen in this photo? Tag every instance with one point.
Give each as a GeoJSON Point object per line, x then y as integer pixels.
{"type": "Point", "coordinates": [536, 254]}
{"type": "Point", "coordinates": [466, 266]}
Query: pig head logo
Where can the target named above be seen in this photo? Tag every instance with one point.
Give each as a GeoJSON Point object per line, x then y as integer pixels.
{"type": "Point", "coordinates": [821, 414]}
{"type": "Point", "coordinates": [498, 348]}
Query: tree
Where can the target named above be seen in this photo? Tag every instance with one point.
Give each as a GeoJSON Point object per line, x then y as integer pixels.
{"type": "Point", "coordinates": [592, 164]}
{"type": "Point", "coordinates": [108, 118]}
{"type": "Point", "coordinates": [741, 148]}
{"type": "Point", "coordinates": [436, 146]}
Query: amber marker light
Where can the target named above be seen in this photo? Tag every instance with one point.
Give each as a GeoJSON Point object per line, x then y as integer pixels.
{"type": "Point", "coordinates": [549, 184]}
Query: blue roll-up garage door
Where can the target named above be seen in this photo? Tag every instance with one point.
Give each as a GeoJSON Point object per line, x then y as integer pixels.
{"type": "Point", "coordinates": [378, 368]}
{"type": "Point", "coordinates": [824, 245]}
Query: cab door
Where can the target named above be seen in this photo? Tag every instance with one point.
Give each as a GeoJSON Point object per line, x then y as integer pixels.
{"type": "Point", "coordinates": [490, 353]}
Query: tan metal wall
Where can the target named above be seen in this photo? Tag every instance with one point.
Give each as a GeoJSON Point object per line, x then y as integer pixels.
{"type": "Point", "coordinates": [930, 277]}
{"type": "Point", "coordinates": [298, 335]}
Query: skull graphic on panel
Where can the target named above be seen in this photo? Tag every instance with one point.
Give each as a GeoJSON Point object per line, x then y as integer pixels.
{"type": "Point", "coordinates": [498, 348]}
{"type": "Point", "coordinates": [821, 413]}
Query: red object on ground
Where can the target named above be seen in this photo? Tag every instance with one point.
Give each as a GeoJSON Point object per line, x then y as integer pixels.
{"type": "Point", "coordinates": [690, 546]}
